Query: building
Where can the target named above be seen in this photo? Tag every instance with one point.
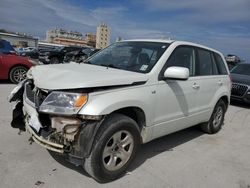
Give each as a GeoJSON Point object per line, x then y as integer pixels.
{"type": "Point", "coordinates": [60, 36]}
{"type": "Point", "coordinates": [91, 39]}
{"type": "Point", "coordinates": [19, 40]}
{"type": "Point", "coordinates": [102, 36]}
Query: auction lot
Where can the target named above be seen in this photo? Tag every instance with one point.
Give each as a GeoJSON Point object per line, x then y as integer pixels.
{"type": "Point", "coordinates": [188, 158]}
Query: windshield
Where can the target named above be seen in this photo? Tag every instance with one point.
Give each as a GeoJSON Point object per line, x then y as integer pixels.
{"type": "Point", "coordinates": [242, 69]}
{"type": "Point", "coordinates": [132, 56]}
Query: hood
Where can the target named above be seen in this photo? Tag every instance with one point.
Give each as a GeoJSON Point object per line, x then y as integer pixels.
{"type": "Point", "coordinates": [241, 79]}
{"type": "Point", "coordinates": [75, 76]}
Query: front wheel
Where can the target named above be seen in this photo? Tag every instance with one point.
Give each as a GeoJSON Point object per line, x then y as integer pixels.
{"type": "Point", "coordinates": [215, 123]}
{"type": "Point", "coordinates": [114, 148]}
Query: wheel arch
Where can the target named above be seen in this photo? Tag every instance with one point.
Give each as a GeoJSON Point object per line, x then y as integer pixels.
{"type": "Point", "coordinates": [135, 113]}
{"type": "Point", "coordinates": [225, 99]}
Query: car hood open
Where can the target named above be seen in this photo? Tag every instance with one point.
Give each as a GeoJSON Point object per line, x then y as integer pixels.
{"type": "Point", "coordinates": [75, 76]}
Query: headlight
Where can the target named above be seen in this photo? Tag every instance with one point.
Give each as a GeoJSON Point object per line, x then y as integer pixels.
{"type": "Point", "coordinates": [63, 103]}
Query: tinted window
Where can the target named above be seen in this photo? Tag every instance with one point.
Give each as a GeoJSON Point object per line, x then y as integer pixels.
{"type": "Point", "coordinates": [220, 64]}
{"type": "Point", "coordinates": [183, 57]}
{"type": "Point", "coordinates": [1, 44]}
{"type": "Point", "coordinates": [214, 65]}
{"type": "Point", "coordinates": [205, 63]}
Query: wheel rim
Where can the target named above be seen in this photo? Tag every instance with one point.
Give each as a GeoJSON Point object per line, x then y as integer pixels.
{"type": "Point", "coordinates": [118, 150]}
{"type": "Point", "coordinates": [218, 117]}
{"type": "Point", "coordinates": [19, 75]}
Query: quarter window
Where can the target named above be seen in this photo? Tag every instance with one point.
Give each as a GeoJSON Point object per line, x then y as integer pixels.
{"type": "Point", "coordinates": [220, 64]}
{"type": "Point", "coordinates": [183, 56]}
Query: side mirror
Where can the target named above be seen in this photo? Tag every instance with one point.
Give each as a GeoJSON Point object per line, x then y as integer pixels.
{"type": "Point", "coordinates": [178, 73]}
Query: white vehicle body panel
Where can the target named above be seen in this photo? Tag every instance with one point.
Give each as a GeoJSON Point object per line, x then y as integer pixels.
{"type": "Point", "coordinates": [74, 76]}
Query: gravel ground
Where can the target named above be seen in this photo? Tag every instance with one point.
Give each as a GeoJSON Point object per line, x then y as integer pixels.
{"type": "Point", "coordinates": [185, 159]}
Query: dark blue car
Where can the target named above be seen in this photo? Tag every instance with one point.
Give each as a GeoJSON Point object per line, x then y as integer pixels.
{"type": "Point", "coordinates": [5, 47]}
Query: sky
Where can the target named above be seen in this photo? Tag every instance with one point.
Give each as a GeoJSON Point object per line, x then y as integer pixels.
{"type": "Point", "coordinates": [223, 25]}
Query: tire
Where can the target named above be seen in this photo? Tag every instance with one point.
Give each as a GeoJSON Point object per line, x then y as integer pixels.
{"type": "Point", "coordinates": [54, 60]}
{"type": "Point", "coordinates": [18, 74]}
{"type": "Point", "coordinates": [216, 120]}
{"type": "Point", "coordinates": [109, 159]}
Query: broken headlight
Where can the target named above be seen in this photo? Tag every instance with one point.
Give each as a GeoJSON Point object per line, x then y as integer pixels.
{"type": "Point", "coordinates": [63, 103]}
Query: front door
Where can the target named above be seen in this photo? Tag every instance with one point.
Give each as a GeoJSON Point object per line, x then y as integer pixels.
{"type": "Point", "coordinates": [176, 99]}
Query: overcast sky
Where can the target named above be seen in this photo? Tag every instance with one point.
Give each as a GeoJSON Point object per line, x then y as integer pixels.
{"type": "Point", "coordinates": [224, 25]}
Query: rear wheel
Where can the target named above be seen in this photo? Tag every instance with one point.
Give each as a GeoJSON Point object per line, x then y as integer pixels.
{"type": "Point", "coordinates": [114, 148]}
{"type": "Point", "coordinates": [18, 74]}
{"type": "Point", "coordinates": [215, 123]}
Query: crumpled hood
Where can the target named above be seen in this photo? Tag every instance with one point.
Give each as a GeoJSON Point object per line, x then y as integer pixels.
{"type": "Point", "coordinates": [74, 76]}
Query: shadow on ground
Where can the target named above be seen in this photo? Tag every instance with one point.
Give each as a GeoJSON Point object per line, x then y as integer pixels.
{"type": "Point", "coordinates": [5, 82]}
{"type": "Point", "coordinates": [240, 104]}
{"type": "Point", "coordinates": [63, 161]}
{"type": "Point", "coordinates": [149, 150]}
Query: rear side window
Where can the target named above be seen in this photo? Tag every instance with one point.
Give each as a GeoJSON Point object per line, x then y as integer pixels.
{"type": "Point", "coordinates": [220, 64]}
{"type": "Point", "coordinates": [205, 66]}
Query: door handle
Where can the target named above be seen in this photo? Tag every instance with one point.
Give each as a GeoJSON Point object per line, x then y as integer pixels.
{"type": "Point", "coordinates": [196, 86]}
{"type": "Point", "coordinates": [220, 83]}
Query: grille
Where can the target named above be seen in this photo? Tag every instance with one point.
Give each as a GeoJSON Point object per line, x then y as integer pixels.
{"type": "Point", "coordinates": [238, 89]}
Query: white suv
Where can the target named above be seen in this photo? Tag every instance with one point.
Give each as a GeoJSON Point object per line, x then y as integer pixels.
{"type": "Point", "coordinates": [97, 113]}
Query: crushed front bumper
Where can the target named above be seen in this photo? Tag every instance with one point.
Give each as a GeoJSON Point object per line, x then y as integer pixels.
{"type": "Point", "coordinates": [45, 143]}
{"type": "Point", "coordinates": [75, 148]}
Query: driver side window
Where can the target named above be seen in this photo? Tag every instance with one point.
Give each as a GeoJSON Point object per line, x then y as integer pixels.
{"type": "Point", "coordinates": [183, 56]}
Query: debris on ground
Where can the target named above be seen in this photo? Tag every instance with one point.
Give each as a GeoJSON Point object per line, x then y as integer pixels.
{"type": "Point", "coordinates": [38, 183]}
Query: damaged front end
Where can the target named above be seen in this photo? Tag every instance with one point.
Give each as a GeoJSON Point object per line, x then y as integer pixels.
{"type": "Point", "coordinates": [66, 132]}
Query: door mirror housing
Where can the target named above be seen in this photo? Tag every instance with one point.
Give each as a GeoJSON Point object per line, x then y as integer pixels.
{"type": "Point", "coordinates": [178, 73]}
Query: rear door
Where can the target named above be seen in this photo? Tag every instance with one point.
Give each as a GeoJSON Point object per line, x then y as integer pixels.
{"type": "Point", "coordinates": [209, 81]}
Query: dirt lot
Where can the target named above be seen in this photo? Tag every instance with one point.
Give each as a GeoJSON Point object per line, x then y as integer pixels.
{"type": "Point", "coordinates": [185, 159]}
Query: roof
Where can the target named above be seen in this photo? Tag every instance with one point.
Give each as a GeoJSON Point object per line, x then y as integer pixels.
{"type": "Point", "coordinates": [150, 40]}
{"type": "Point", "coordinates": [173, 41]}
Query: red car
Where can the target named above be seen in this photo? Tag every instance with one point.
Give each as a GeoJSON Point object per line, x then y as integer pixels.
{"type": "Point", "coordinates": [13, 66]}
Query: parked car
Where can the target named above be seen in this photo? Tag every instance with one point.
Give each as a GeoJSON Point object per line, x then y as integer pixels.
{"type": "Point", "coordinates": [241, 83]}
{"type": "Point", "coordinates": [79, 55]}
{"type": "Point", "coordinates": [13, 66]}
{"type": "Point", "coordinates": [34, 54]}
{"type": "Point", "coordinates": [56, 55]}
{"type": "Point", "coordinates": [97, 113]}
{"type": "Point", "coordinates": [6, 47]}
